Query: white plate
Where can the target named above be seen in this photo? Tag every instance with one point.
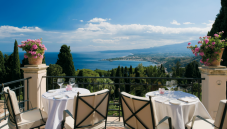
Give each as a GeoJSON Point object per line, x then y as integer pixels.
{"type": "Point", "coordinates": [151, 94]}
{"type": "Point", "coordinates": [58, 96]}
{"type": "Point", "coordinates": [177, 102]}
{"type": "Point", "coordinates": [51, 91]}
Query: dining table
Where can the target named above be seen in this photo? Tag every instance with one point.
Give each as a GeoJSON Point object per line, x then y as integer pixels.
{"type": "Point", "coordinates": [178, 105]}
{"type": "Point", "coordinates": [56, 101]}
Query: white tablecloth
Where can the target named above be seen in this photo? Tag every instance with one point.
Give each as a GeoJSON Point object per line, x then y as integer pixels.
{"type": "Point", "coordinates": [180, 114]}
{"type": "Point", "coordinates": [55, 107]}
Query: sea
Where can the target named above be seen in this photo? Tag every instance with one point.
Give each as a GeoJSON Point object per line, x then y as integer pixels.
{"type": "Point", "coordinates": [93, 60]}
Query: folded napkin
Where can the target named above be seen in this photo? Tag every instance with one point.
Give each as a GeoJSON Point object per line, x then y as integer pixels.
{"type": "Point", "coordinates": [50, 94]}
{"type": "Point", "coordinates": [161, 99]}
{"type": "Point", "coordinates": [71, 95]}
{"type": "Point", "coordinates": [188, 100]}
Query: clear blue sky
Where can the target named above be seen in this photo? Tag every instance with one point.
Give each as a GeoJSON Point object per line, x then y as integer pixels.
{"type": "Point", "coordinates": [96, 25]}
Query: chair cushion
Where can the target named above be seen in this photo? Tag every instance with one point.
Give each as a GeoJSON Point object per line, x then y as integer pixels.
{"type": "Point", "coordinates": [14, 102]}
{"type": "Point", "coordinates": [69, 124]}
{"type": "Point", "coordinates": [30, 119]}
{"type": "Point", "coordinates": [201, 124]}
{"type": "Point", "coordinates": [220, 114]}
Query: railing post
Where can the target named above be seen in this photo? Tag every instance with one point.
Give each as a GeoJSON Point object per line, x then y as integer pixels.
{"type": "Point", "coordinates": [27, 94]}
{"type": "Point", "coordinates": [213, 87]}
{"type": "Point", "coordinates": [36, 86]}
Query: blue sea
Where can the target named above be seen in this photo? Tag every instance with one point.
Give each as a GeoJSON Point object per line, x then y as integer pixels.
{"type": "Point", "coordinates": [92, 60]}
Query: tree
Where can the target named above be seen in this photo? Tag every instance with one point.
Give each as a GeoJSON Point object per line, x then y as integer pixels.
{"type": "Point", "coordinates": [54, 70]}
{"type": "Point", "coordinates": [118, 74]}
{"type": "Point", "coordinates": [2, 68]}
{"type": "Point", "coordinates": [162, 69]}
{"type": "Point", "coordinates": [130, 69]}
{"type": "Point", "coordinates": [220, 24]}
{"type": "Point", "coordinates": [16, 63]}
{"type": "Point", "coordinates": [65, 60]}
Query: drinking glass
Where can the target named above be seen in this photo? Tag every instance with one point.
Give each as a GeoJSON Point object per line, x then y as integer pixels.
{"type": "Point", "coordinates": [72, 81]}
{"type": "Point", "coordinates": [60, 82]}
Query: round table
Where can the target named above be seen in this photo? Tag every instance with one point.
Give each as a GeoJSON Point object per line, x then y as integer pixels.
{"type": "Point", "coordinates": [180, 113]}
{"type": "Point", "coordinates": [55, 107]}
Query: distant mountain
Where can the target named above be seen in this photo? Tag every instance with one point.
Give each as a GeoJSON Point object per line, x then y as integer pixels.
{"type": "Point", "coordinates": [174, 48]}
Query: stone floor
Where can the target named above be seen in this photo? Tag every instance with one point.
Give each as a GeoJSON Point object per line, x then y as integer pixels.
{"type": "Point", "coordinates": [112, 123]}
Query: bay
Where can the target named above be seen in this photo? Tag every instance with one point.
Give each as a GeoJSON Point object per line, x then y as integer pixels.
{"type": "Point", "coordinates": [92, 60]}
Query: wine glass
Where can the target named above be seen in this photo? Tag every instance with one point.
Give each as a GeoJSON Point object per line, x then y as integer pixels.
{"type": "Point", "coordinates": [60, 82]}
{"type": "Point", "coordinates": [72, 81]}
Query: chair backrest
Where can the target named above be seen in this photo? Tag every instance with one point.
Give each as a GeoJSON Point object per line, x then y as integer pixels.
{"type": "Point", "coordinates": [221, 117]}
{"type": "Point", "coordinates": [12, 106]}
{"type": "Point", "coordinates": [90, 109]}
{"type": "Point", "coordinates": [138, 112]}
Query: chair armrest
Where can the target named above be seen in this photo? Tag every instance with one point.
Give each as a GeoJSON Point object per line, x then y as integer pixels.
{"type": "Point", "coordinates": [169, 121]}
{"type": "Point", "coordinates": [64, 114]}
{"type": "Point", "coordinates": [193, 120]}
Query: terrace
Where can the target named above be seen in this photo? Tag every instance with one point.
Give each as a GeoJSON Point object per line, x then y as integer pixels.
{"type": "Point", "coordinates": [213, 79]}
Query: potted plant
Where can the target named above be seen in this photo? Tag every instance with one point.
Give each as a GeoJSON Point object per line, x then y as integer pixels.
{"type": "Point", "coordinates": [210, 49]}
{"type": "Point", "coordinates": [34, 50]}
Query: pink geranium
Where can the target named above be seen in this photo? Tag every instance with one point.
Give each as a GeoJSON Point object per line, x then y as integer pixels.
{"type": "Point", "coordinates": [34, 48]}
{"type": "Point", "coordinates": [189, 43]}
{"type": "Point", "coordinates": [209, 48]}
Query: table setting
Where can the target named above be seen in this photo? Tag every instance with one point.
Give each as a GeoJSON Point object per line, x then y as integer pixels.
{"type": "Point", "coordinates": [178, 105]}
{"type": "Point", "coordinates": [55, 101]}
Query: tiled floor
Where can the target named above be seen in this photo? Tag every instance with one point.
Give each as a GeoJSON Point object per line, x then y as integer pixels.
{"type": "Point", "coordinates": [112, 123]}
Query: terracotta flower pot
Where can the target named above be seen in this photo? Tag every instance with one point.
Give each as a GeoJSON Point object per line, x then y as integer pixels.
{"type": "Point", "coordinates": [217, 62]}
{"type": "Point", "coordinates": [35, 61]}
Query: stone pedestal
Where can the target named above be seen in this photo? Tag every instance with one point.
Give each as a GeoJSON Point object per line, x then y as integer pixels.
{"type": "Point", "coordinates": [37, 84]}
{"type": "Point", "coordinates": [213, 87]}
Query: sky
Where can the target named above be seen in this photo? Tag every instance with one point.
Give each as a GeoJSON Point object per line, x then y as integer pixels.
{"type": "Point", "coordinates": [98, 25]}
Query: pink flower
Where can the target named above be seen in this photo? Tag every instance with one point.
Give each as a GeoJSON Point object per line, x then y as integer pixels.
{"type": "Point", "coordinates": [206, 41]}
{"type": "Point", "coordinates": [222, 31]}
{"type": "Point", "coordinates": [25, 56]}
{"type": "Point", "coordinates": [38, 41]}
{"type": "Point", "coordinates": [213, 43]}
{"type": "Point", "coordinates": [35, 56]}
{"type": "Point", "coordinates": [23, 45]}
{"type": "Point", "coordinates": [41, 56]}
{"type": "Point", "coordinates": [195, 54]}
{"type": "Point", "coordinates": [200, 37]}
{"type": "Point", "coordinates": [201, 60]}
{"type": "Point", "coordinates": [189, 43]}
{"type": "Point", "coordinates": [22, 41]}
{"type": "Point", "coordinates": [223, 40]}
{"type": "Point", "coordinates": [208, 37]}
{"type": "Point", "coordinates": [29, 44]}
{"type": "Point", "coordinates": [221, 59]}
{"type": "Point", "coordinates": [216, 35]}
{"type": "Point", "coordinates": [201, 45]}
{"type": "Point", "coordinates": [19, 46]}
{"type": "Point", "coordinates": [28, 39]}
{"type": "Point", "coordinates": [197, 49]}
{"type": "Point", "coordinates": [201, 53]}
{"type": "Point", "coordinates": [45, 48]}
{"type": "Point", "coordinates": [34, 47]}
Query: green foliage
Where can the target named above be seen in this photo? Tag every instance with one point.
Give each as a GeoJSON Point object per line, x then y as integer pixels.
{"type": "Point", "coordinates": [102, 73]}
{"type": "Point", "coordinates": [54, 70]}
{"type": "Point", "coordinates": [65, 60]}
{"type": "Point", "coordinates": [2, 68]}
{"type": "Point", "coordinates": [220, 24]}
{"type": "Point", "coordinates": [16, 63]}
